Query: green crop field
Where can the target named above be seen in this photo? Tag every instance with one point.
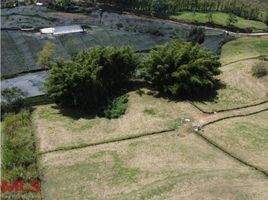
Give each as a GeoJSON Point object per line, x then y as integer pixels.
{"type": "Point", "coordinates": [220, 18]}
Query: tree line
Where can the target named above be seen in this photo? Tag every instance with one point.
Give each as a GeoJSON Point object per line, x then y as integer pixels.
{"type": "Point", "coordinates": [249, 9]}
{"type": "Point", "coordinates": [93, 79]}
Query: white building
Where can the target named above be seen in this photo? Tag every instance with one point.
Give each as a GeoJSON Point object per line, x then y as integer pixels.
{"type": "Point", "coordinates": [62, 30]}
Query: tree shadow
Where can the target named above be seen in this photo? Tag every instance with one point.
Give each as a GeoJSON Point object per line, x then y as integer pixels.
{"type": "Point", "coordinates": [74, 113]}
{"type": "Point", "coordinates": [201, 96]}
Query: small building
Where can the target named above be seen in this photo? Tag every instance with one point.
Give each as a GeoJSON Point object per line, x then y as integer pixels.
{"type": "Point", "coordinates": [58, 30]}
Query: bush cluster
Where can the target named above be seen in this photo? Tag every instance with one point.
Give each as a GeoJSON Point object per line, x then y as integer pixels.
{"type": "Point", "coordinates": [260, 69]}
{"type": "Point", "coordinates": [116, 107]}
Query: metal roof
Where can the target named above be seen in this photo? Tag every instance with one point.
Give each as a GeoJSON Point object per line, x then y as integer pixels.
{"type": "Point", "coordinates": [62, 29]}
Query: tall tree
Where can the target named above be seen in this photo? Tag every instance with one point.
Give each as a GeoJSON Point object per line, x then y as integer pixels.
{"type": "Point", "coordinates": [91, 77]}
{"type": "Point", "coordinates": [44, 56]}
{"type": "Point", "coordinates": [181, 69]}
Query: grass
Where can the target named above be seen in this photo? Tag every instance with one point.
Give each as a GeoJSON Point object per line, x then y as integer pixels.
{"type": "Point", "coordinates": [244, 137]}
{"type": "Point", "coordinates": [67, 128]}
{"type": "Point", "coordinates": [241, 88]}
{"type": "Point", "coordinates": [158, 167]}
{"type": "Point", "coordinates": [220, 19]}
{"type": "Point", "coordinates": [19, 156]}
{"type": "Point", "coordinates": [244, 48]}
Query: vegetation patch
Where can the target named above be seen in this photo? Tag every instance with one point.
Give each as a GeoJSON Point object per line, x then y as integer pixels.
{"type": "Point", "coordinates": [260, 69]}
{"type": "Point", "coordinates": [116, 107]}
{"type": "Point", "coordinates": [19, 153]}
{"type": "Point", "coordinates": [150, 111]}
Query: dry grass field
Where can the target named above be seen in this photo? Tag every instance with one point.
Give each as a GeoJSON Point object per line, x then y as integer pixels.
{"type": "Point", "coordinates": [245, 137]}
{"type": "Point", "coordinates": [240, 88]}
{"type": "Point", "coordinates": [166, 166]}
{"type": "Point", "coordinates": [145, 114]}
{"type": "Point", "coordinates": [173, 165]}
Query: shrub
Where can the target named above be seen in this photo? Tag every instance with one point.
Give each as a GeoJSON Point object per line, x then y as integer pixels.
{"type": "Point", "coordinates": [181, 69]}
{"type": "Point", "coordinates": [91, 78]}
{"type": "Point", "coordinates": [231, 20]}
{"type": "Point", "coordinates": [260, 69]}
{"type": "Point", "coordinates": [12, 100]}
{"type": "Point", "coordinates": [116, 107]}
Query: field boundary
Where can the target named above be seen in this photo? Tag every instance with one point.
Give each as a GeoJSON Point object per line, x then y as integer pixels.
{"type": "Point", "coordinates": [244, 59]}
{"type": "Point", "coordinates": [67, 148]}
{"type": "Point", "coordinates": [229, 109]}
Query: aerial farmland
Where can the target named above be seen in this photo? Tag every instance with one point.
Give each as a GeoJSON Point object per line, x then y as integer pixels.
{"type": "Point", "coordinates": [136, 100]}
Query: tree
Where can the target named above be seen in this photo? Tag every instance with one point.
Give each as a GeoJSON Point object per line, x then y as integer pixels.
{"type": "Point", "coordinates": [181, 69]}
{"type": "Point", "coordinates": [44, 56]}
{"type": "Point", "coordinates": [231, 20]}
{"type": "Point", "coordinates": [266, 18]}
{"type": "Point", "coordinates": [196, 35]}
{"type": "Point", "coordinates": [159, 7]}
{"type": "Point", "coordinates": [91, 78]}
{"type": "Point", "coordinates": [210, 17]}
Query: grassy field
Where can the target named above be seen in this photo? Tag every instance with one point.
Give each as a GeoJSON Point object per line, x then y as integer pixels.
{"type": "Point", "coordinates": [244, 137]}
{"type": "Point", "coordinates": [220, 19]}
{"type": "Point", "coordinates": [160, 167]}
{"type": "Point", "coordinates": [240, 87]}
{"type": "Point", "coordinates": [244, 48]}
{"type": "Point", "coordinates": [145, 114]}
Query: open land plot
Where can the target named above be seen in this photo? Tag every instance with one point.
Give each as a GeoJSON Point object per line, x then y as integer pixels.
{"type": "Point", "coordinates": [164, 166]}
{"type": "Point", "coordinates": [145, 114]}
{"type": "Point", "coordinates": [220, 19]}
{"type": "Point", "coordinates": [240, 88]}
{"type": "Point", "coordinates": [244, 137]}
